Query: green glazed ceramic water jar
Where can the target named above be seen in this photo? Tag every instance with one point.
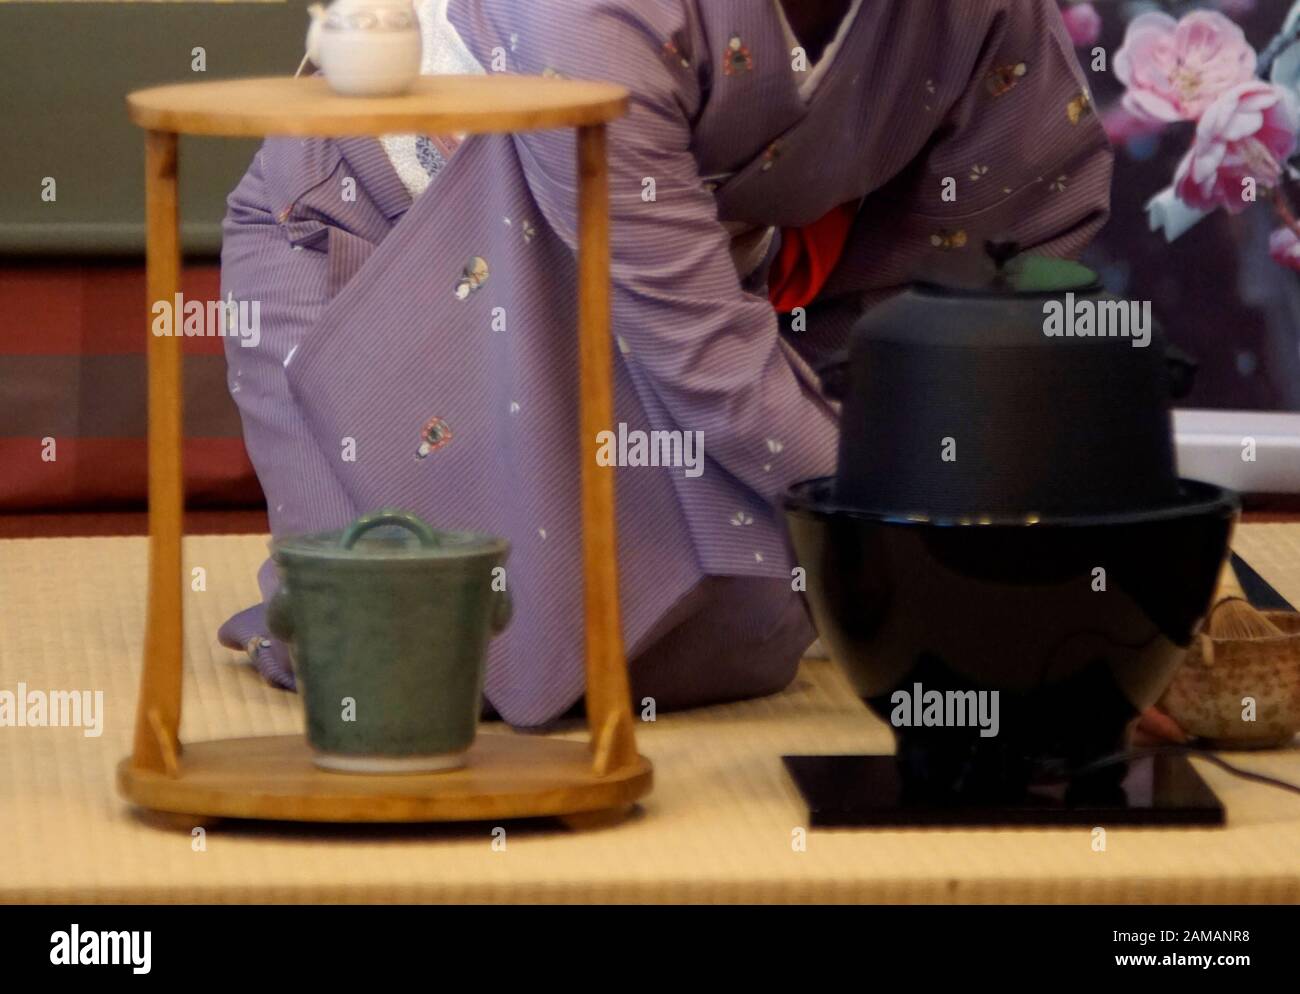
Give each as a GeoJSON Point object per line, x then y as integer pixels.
{"type": "Point", "coordinates": [388, 622]}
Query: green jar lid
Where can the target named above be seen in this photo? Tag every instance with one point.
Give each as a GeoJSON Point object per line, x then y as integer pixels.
{"type": "Point", "coordinates": [404, 537]}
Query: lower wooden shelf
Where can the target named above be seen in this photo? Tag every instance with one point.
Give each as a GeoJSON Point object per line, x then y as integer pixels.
{"type": "Point", "coordinates": [507, 776]}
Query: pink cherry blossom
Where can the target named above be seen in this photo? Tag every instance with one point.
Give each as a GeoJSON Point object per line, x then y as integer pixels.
{"type": "Point", "coordinates": [1083, 22]}
{"type": "Point", "coordinates": [1284, 247]}
{"type": "Point", "coordinates": [1248, 133]}
{"type": "Point", "coordinates": [1175, 69]}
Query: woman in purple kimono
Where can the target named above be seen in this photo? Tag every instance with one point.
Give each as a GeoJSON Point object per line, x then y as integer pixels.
{"type": "Point", "coordinates": [803, 156]}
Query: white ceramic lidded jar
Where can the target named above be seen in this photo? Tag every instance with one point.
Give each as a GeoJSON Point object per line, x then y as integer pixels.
{"type": "Point", "coordinates": [366, 48]}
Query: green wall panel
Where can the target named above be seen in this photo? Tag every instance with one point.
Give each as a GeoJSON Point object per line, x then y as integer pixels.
{"type": "Point", "coordinates": [65, 69]}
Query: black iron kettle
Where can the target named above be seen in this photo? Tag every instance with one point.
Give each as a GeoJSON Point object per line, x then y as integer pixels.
{"type": "Point", "coordinates": [989, 392]}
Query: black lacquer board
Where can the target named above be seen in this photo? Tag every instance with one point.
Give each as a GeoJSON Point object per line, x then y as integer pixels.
{"type": "Point", "coordinates": [867, 791]}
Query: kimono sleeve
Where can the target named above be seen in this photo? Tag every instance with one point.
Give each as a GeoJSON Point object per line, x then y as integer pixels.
{"type": "Point", "coordinates": [1019, 154]}
{"type": "Point", "coordinates": [707, 349]}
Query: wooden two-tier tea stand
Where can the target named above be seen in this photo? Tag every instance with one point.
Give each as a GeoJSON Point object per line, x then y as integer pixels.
{"type": "Point", "coordinates": [507, 775]}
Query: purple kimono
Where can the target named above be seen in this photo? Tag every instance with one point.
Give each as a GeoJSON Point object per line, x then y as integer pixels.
{"type": "Point", "coordinates": [423, 353]}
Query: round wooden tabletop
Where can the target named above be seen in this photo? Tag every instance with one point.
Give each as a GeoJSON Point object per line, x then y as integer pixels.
{"type": "Point", "coordinates": [494, 102]}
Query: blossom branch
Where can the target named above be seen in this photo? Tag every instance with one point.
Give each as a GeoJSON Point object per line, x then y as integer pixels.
{"type": "Point", "coordinates": [1283, 210]}
{"type": "Point", "coordinates": [1279, 44]}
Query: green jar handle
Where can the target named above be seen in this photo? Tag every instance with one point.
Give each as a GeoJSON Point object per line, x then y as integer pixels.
{"type": "Point", "coordinates": [404, 519]}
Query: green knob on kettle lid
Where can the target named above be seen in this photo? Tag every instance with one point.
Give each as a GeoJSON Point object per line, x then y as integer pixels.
{"type": "Point", "coordinates": [1040, 275]}
{"type": "Point", "coordinates": [1016, 272]}
{"type": "Point", "coordinates": [1003, 271]}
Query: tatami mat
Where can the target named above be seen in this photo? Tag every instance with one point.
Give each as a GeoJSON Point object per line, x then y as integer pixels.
{"type": "Point", "coordinates": [718, 826]}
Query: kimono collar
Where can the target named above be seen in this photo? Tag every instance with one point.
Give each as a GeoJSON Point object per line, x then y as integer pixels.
{"type": "Point", "coordinates": [375, 174]}
{"type": "Point", "coordinates": [747, 62]}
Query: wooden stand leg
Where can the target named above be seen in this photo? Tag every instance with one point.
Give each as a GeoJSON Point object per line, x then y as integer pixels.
{"type": "Point", "coordinates": [609, 715]}
{"type": "Point", "coordinates": [158, 713]}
